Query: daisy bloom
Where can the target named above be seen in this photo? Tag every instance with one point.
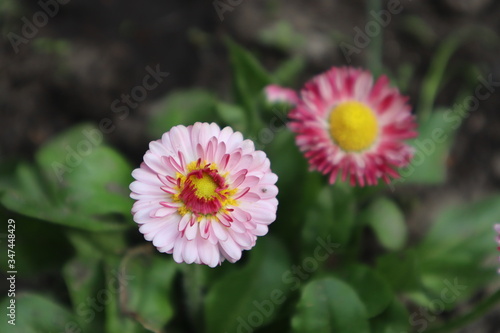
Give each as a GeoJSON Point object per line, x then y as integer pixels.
{"type": "Point", "coordinates": [347, 125]}
{"type": "Point", "coordinates": [204, 194]}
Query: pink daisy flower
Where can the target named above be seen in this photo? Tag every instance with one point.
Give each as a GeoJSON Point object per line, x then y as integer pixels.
{"type": "Point", "coordinates": [204, 194]}
{"type": "Point", "coordinates": [346, 124]}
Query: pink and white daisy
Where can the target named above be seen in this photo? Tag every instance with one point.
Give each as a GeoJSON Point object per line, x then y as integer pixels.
{"type": "Point", "coordinates": [204, 194]}
{"type": "Point", "coordinates": [346, 124]}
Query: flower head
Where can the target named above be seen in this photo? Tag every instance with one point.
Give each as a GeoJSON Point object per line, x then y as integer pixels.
{"type": "Point", "coordinates": [204, 194]}
{"type": "Point", "coordinates": [347, 125]}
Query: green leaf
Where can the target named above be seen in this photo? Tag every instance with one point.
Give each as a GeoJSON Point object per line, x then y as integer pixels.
{"type": "Point", "coordinates": [373, 290]}
{"type": "Point", "coordinates": [393, 320]}
{"type": "Point", "coordinates": [83, 276]}
{"type": "Point", "coordinates": [249, 80]}
{"type": "Point", "coordinates": [148, 289]}
{"type": "Point", "coordinates": [249, 75]}
{"type": "Point", "coordinates": [401, 270]}
{"type": "Point", "coordinates": [428, 166]}
{"type": "Point", "coordinates": [458, 246]}
{"type": "Point", "coordinates": [98, 184]}
{"type": "Point", "coordinates": [249, 297]}
{"type": "Point", "coordinates": [332, 213]}
{"type": "Point", "coordinates": [35, 313]}
{"type": "Point", "coordinates": [117, 317]}
{"type": "Point", "coordinates": [232, 115]}
{"type": "Point", "coordinates": [181, 107]}
{"type": "Point", "coordinates": [329, 305]}
{"type": "Point", "coordinates": [80, 183]}
{"type": "Point", "coordinates": [388, 223]}
{"type": "Point", "coordinates": [29, 195]}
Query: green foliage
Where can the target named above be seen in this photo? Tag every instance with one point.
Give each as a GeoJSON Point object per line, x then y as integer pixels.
{"type": "Point", "coordinates": [317, 271]}
{"type": "Point", "coordinates": [373, 290]}
{"type": "Point", "coordinates": [388, 223]}
{"type": "Point", "coordinates": [458, 246]}
{"type": "Point", "coordinates": [256, 290]}
{"type": "Point", "coordinates": [37, 313]}
{"type": "Point", "coordinates": [77, 182]}
{"type": "Point", "coordinates": [146, 295]}
{"type": "Point", "coordinates": [249, 80]}
{"type": "Point", "coordinates": [329, 305]}
{"type": "Point", "coordinates": [393, 320]}
{"type": "Point", "coordinates": [431, 150]}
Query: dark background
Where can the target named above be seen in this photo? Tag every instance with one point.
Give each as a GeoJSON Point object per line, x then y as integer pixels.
{"type": "Point", "coordinates": [91, 52]}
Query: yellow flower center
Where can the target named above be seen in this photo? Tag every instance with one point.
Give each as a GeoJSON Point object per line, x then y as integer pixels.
{"type": "Point", "coordinates": [353, 126]}
{"type": "Point", "coordinates": [203, 190]}
{"type": "Point", "coordinates": [205, 186]}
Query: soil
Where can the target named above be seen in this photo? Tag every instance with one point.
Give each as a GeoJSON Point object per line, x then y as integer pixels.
{"type": "Point", "coordinates": [93, 51]}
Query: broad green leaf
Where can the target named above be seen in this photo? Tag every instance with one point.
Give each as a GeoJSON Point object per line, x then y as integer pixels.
{"type": "Point", "coordinates": [181, 107]}
{"type": "Point", "coordinates": [117, 317]}
{"type": "Point", "coordinates": [249, 297]}
{"type": "Point", "coordinates": [232, 115]}
{"type": "Point", "coordinates": [98, 184]}
{"type": "Point", "coordinates": [80, 183]}
{"type": "Point", "coordinates": [331, 213]}
{"type": "Point", "coordinates": [329, 305]}
{"type": "Point", "coordinates": [36, 313]}
{"type": "Point", "coordinates": [148, 288]}
{"type": "Point", "coordinates": [373, 290]}
{"type": "Point", "coordinates": [458, 246]}
{"type": "Point", "coordinates": [428, 166]}
{"type": "Point", "coordinates": [401, 270]}
{"type": "Point", "coordinates": [83, 276]}
{"type": "Point", "coordinates": [29, 195]}
{"type": "Point", "coordinates": [395, 319]}
{"type": "Point", "coordinates": [388, 223]}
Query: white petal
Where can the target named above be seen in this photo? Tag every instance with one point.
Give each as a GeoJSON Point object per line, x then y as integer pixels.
{"type": "Point", "coordinates": [219, 230]}
{"type": "Point", "coordinates": [191, 231]}
{"type": "Point", "coordinates": [231, 249]}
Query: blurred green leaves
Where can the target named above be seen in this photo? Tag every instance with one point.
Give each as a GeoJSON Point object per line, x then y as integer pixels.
{"type": "Point", "coordinates": [77, 182]}
{"type": "Point", "coordinates": [388, 223]}
{"type": "Point", "coordinates": [459, 245]}
{"type": "Point", "coordinates": [373, 290]}
{"type": "Point", "coordinates": [146, 294]}
{"type": "Point", "coordinates": [251, 295]}
{"type": "Point", "coordinates": [81, 185]}
{"type": "Point", "coordinates": [36, 313]}
{"type": "Point", "coordinates": [436, 135]}
{"type": "Point", "coordinates": [329, 305]}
